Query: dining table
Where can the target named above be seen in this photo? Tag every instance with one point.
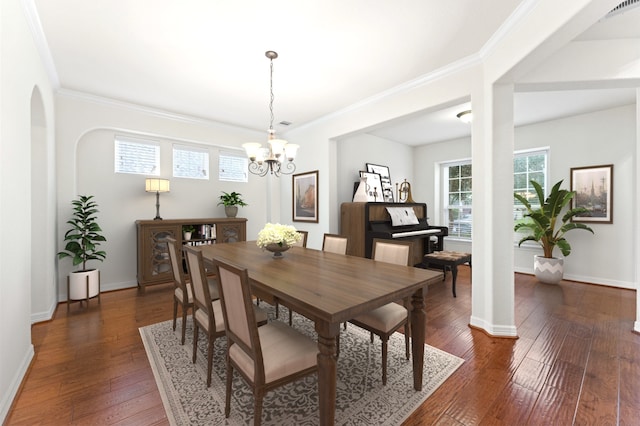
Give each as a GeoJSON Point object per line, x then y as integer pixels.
{"type": "Point", "coordinates": [330, 289]}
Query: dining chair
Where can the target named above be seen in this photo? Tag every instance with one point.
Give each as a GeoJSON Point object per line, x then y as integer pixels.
{"type": "Point", "coordinates": [385, 320]}
{"type": "Point", "coordinates": [266, 357]}
{"type": "Point", "coordinates": [335, 243]}
{"type": "Point", "coordinates": [183, 293]}
{"type": "Point", "coordinates": [207, 313]}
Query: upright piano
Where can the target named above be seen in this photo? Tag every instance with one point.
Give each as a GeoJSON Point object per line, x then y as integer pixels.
{"type": "Point", "coordinates": [362, 222]}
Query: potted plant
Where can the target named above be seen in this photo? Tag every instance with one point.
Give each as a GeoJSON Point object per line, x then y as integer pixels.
{"type": "Point", "coordinates": [546, 227]}
{"type": "Point", "coordinates": [82, 242]}
{"type": "Point", "coordinates": [231, 201]}
{"type": "Point", "coordinates": [187, 230]}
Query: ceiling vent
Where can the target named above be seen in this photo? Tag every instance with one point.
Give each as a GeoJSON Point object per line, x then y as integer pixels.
{"type": "Point", "coordinates": [623, 7]}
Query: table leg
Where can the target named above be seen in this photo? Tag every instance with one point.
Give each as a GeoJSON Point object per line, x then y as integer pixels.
{"type": "Point", "coordinates": [418, 327]}
{"type": "Point", "coordinates": [327, 371]}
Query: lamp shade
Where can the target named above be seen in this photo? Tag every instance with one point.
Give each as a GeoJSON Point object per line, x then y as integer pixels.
{"type": "Point", "coordinates": [156, 185]}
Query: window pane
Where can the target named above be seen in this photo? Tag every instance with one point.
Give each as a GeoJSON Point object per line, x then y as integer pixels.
{"type": "Point", "coordinates": [454, 199]}
{"type": "Point", "coordinates": [519, 181]}
{"type": "Point", "coordinates": [465, 170]}
{"type": "Point", "coordinates": [137, 157]}
{"type": "Point", "coordinates": [189, 162]}
{"type": "Point", "coordinates": [454, 172]}
{"type": "Point", "coordinates": [465, 184]}
{"type": "Point", "coordinates": [537, 162]}
{"type": "Point", "coordinates": [233, 168]}
{"type": "Point", "coordinates": [454, 185]}
{"type": "Point", "coordinates": [520, 164]}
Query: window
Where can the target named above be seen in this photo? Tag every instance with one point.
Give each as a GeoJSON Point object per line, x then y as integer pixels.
{"type": "Point", "coordinates": [137, 156]}
{"type": "Point", "coordinates": [190, 162]}
{"type": "Point", "coordinates": [527, 166]}
{"type": "Point", "coordinates": [458, 199]}
{"type": "Point", "coordinates": [233, 167]}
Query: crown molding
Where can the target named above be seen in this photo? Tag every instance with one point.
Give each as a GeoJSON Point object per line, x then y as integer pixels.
{"type": "Point", "coordinates": [40, 40]}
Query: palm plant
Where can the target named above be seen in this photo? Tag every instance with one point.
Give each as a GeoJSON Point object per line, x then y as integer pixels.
{"type": "Point", "coordinates": [545, 225]}
{"type": "Point", "coordinates": [84, 236]}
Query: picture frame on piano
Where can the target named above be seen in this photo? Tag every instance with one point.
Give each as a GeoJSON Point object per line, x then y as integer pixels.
{"type": "Point", "coordinates": [385, 180]}
{"type": "Point", "coordinates": [374, 186]}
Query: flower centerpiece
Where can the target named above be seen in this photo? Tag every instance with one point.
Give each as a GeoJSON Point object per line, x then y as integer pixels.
{"type": "Point", "coordinates": [277, 238]}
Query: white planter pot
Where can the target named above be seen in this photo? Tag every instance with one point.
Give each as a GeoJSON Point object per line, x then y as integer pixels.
{"type": "Point", "coordinates": [231, 211]}
{"type": "Point", "coordinates": [83, 285]}
{"type": "Point", "coordinates": [548, 270]}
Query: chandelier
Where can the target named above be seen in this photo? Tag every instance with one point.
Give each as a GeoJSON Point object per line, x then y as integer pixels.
{"type": "Point", "coordinates": [277, 157]}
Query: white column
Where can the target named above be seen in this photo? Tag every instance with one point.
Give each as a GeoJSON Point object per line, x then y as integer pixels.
{"type": "Point", "coordinates": [493, 303]}
{"type": "Point", "coordinates": [636, 325]}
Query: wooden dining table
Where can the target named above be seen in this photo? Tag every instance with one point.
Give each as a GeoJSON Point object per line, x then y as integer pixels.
{"type": "Point", "coordinates": [330, 289]}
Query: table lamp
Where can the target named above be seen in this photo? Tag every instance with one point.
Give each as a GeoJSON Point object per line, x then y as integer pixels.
{"type": "Point", "coordinates": [157, 186]}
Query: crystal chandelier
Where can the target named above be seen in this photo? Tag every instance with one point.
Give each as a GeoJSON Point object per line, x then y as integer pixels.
{"type": "Point", "coordinates": [278, 157]}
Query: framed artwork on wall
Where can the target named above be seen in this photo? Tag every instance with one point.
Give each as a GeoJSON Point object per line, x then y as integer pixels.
{"type": "Point", "coordinates": [374, 186]}
{"type": "Point", "coordinates": [385, 180]}
{"type": "Point", "coordinates": [594, 191]}
{"type": "Point", "coordinates": [305, 197]}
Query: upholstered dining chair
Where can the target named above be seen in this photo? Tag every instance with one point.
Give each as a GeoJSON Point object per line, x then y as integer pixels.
{"type": "Point", "coordinates": [385, 320]}
{"type": "Point", "coordinates": [182, 293]}
{"type": "Point", "coordinates": [207, 313]}
{"type": "Point", "coordinates": [303, 240]}
{"type": "Point", "coordinates": [335, 243]}
{"type": "Point", "coordinates": [266, 357]}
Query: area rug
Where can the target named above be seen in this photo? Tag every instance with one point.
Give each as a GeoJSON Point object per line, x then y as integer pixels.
{"type": "Point", "coordinates": [361, 398]}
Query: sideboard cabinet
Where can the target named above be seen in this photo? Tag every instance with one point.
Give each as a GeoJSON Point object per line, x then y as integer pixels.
{"type": "Point", "coordinates": [154, 266]}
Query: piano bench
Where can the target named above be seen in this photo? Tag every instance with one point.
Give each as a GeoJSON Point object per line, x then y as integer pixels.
{"type": "Point", "coordinates": [447, 259]}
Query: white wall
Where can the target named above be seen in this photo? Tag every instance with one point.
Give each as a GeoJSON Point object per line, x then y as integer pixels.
{"type": "Point", "coordinates": [604, 137]}
{"type": "Point", "coordinates": [85, 131]}
{"type": "Point", "coordinates": [21, 72]}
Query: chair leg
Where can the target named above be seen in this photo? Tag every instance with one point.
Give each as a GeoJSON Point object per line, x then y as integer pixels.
{"type": "Point", "coordinates": [290, 317]}
{"type": "Point", "coordinates": [406, 338]}
{"type": "Point", "coordinates": [384, 361]}
{"type": "Point", "coordinates": [257, 409]}
{"type": "Point", "coordinates": [184, 323]}
{"type": "Point", "coordinates": [175, 312]}
{"type": "Point", "coordinates": [371, 336]}
{"type": "Point", "coordinates": [454, 274]}
{"type": "Point", "coordinates": [227, 399]}
{"type": "Point", "coordinates": [210, 359]}
{"type": "Point", "coordinates": [195, 340]}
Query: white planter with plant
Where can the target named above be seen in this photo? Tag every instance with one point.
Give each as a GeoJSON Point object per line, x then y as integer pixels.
{"type": "Point", "coordinates": [82, 242]}
{"type": "Point", "coordinates": [187, 231]}
{"type": "Point", "coordinates": [545, 226]}
{"type": "Point", "coordinates": [231, 201]}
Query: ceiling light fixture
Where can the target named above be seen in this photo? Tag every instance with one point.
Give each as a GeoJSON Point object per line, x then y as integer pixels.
{"type": "Point", "coordinates": [270, 159]}
{"type": "Point", "coordinates": [465, 116]}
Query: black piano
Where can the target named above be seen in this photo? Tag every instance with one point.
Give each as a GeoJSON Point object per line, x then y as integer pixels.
{"type": "Point", "coordinates": [362, 222]}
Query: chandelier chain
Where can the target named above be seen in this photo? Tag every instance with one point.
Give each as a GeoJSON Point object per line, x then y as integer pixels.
{"type": "Point", "coordinates": [271, 96]}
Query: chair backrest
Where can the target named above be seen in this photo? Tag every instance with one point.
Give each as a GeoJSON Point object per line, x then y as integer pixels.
{"type": "Point", "coordinates": [179, 280]}
{"type": "Point", "coordinates": [303, 240]}
{"type": "Point", "coordinates": [238, 311]}
{"type": "Point", "coordinates": [390, 251]}
{"type": "Point", "coordinates": [200, 286]}
{"type": "Point", "coordinates": [335, 243]}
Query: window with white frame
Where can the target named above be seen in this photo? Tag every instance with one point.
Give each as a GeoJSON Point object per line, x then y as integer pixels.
{"type": "Point", "coordinates": [232, 167]}
{"type": "Point", "coordinates": [527, 166]}
{"type": "Point", "coordinates": [190, 162]}
{"type": "Point", "coordinates": [137, 156]}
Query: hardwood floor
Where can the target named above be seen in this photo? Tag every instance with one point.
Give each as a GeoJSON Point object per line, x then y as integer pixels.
{"type": "Point", "coordinates": [577, 360]}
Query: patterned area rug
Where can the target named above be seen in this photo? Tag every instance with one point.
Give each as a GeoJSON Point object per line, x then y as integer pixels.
{"type": "Point", "coordinates": [361, 398]}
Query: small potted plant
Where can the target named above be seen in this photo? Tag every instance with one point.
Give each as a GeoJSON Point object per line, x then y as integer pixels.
{"type": "Point", "coordinates": [187, 230]}
{"type": "Point", "coordinates": [82, 242]}
{"type": "Point", "coordinates": [546, 227]}
{"type": "Point", "coordinates": [231, 201]}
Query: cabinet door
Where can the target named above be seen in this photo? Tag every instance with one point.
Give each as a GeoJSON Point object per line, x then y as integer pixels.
{"type": "Point", "coordinates": [230, 232]}
{"type": "Point", "coordinates": [155, 257]}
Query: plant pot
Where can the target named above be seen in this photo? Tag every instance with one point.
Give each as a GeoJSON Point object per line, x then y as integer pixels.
{"type": "Point", "coordinates": [231, 211]}
{"type": "Point", "coordinates": [276, 249]}
{"type": "Point", "coordinates": [548, 269]}
{"type": "Point", "coordinates": [186, 235]}
{"type": "Point", "coordinates": [83, 285]}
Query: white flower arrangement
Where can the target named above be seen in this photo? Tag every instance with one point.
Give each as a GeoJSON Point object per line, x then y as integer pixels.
{"type": "Point", "coordinates": [282, 235]}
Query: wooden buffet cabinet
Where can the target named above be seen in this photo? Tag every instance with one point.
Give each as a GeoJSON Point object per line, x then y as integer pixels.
{"type": "Point", "coordinates": [154, 266]}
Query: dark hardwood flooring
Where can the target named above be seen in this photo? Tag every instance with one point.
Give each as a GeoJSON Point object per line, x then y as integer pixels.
{"type": "Point", "coordinates": [576, 361]}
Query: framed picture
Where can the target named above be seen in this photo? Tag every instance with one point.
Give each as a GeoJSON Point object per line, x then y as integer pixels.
{"type": "Point", "coordinates": [594, 192]}
{"type": "Point", "coordinates": [374, 186]}
{"type": "Point", "coordinates": [385, 180]}
{"type": "Point", "coordinates": [305, 197]}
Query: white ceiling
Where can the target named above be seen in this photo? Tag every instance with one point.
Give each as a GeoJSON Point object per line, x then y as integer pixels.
{"type": "Point", "coordinates": [205, 58]}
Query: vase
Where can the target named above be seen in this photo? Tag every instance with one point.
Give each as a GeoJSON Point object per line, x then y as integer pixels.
{"type": "Point", "coordinates": [548, 270]}
{"type": "Point", "coordinates": [276, 249]}
{"type": "Point", "coordinates": [231, 211]}
{"type": "Point", "coordinates": [361, 193]}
